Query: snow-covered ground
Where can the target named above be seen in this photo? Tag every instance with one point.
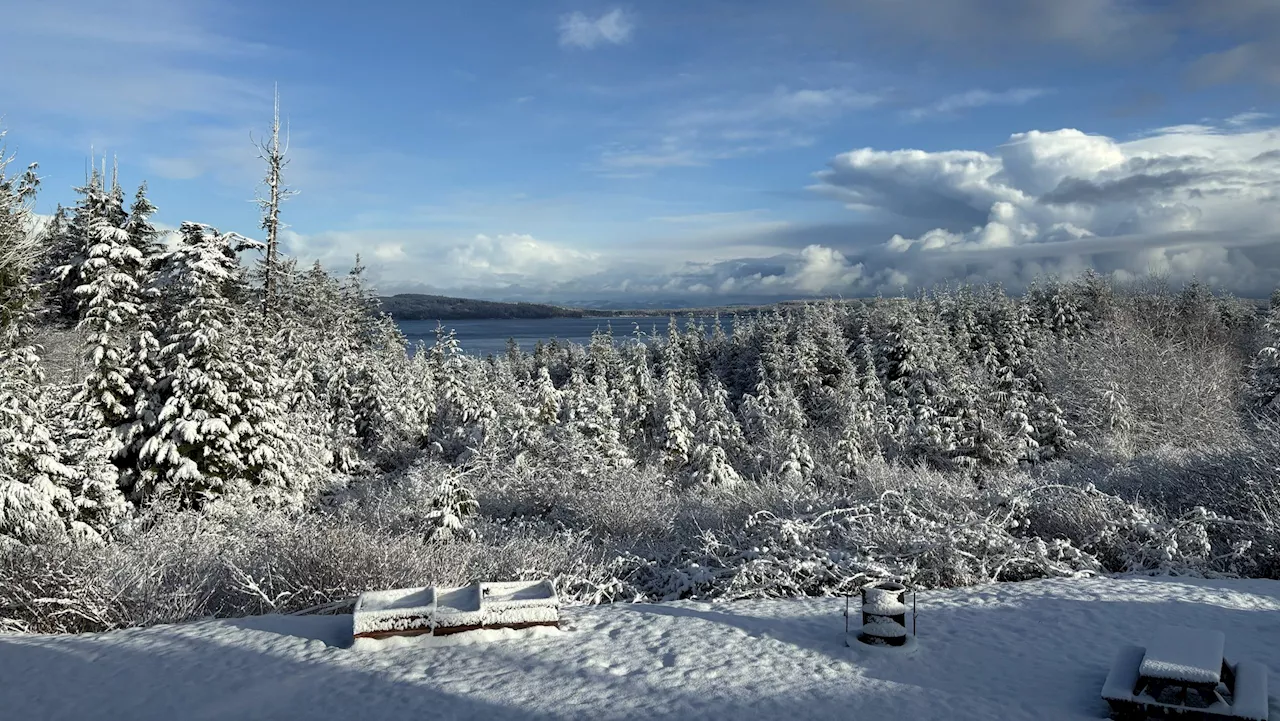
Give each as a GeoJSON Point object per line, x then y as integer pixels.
{"type": "Point", "coordinates": [1036, 650]}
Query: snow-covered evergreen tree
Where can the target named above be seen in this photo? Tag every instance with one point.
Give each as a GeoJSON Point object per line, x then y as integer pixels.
{"type": "Point", "coordinates": [718, 438]}
{"type": "Point", "coordinates": [672, 420]}
{"type": "Point", "coordinates": [451, 505]}
{"type": "Point", "coordinates": [1263, 391]}
{"type": "Point", "coordinates": [70, 251]}
{"type": "Point", "coordinates": [113, 274]}
{"type": "Point", "coordinates": [87, 451]}
{"type": "Point", "coordinates": [35, 502]}
{"type": "Point", "coordinates": [457, 421]}
{"type": "Point", "coordinates": [775, 424]}
{"type": "Point", "coordinates": [36, 505]}
{"type": "Point", "coordinates": [211, 425]}
{"type": "Point", "coordinates": [142, 234]}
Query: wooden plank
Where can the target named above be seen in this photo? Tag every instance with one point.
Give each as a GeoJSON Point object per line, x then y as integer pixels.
{"type": "Point", "coordinates": [449, 630]}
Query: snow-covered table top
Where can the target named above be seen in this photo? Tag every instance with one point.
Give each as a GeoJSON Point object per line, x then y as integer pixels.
{"type": "Point", "coordinates": [1189, 655]}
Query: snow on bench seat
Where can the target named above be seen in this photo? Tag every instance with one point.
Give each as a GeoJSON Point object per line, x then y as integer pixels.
{"type": "Point", "coordinates": [484, 605]}
{"type": "Point", "coordinates": [1250, 695]}
{"type": "Point", "coordinates": [1186, 655]}
{"type": "Point", "coordinates": [1123, 677]}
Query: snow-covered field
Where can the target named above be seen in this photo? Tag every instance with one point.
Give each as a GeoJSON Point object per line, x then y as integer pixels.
{"type": "Point", "coordinates": [1035, 650]}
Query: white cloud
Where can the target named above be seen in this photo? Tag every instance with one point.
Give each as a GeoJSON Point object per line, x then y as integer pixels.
{"type": "Point", "coordinates": [1189, 199]}
{"type": "Point", "coordinates": [782, 104]}
{"type": "Point", "coordinates": [705, 218]}
{"type": "Point", "coordinates": [1250, 118]}
{"type": "Point", "coordinates": [517, 257]}
{"type": "Point", "coordinates": [952, 104]}
{"type": "Point", "coordinates": [577, 30]}
{"type": "Point", "coordinates": [735, 125]}
{"type": "Point", "coordinates": [409, 258]}
{"type": "Point", "coordinates": [156, 49]}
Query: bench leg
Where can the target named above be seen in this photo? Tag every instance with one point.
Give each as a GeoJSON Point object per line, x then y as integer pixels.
{"type": "Point", "coordinates": [1127, 711]}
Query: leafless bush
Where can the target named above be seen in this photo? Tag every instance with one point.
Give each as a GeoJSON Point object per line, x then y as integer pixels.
{"type": "Point", "coordinates": [1167, 390]}
{"type": "Point", "coordinates": [632, 536]}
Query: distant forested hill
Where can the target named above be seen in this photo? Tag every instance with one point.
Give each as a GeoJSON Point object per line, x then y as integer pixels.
{"type": "Point", "coordinates": [417, 306]}
{"type": "Point", "coordinates": [413, 306]}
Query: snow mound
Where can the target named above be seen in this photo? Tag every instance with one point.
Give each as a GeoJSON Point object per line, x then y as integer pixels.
{"type": "Point", "coordinates": [1017, 651]}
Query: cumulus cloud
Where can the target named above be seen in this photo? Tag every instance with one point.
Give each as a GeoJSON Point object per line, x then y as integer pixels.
{"type": "Point", "coordinates": [577, 30]}
{"type": "Point", "coordinates": [517, 257]}
{"type": "Point", "coordinates": [1184, 200]}
{"type": "Point", "coordinates": [398, 259]}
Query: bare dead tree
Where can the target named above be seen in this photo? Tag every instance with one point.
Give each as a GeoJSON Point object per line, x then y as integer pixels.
{"type": "Point", "coordinates": [274, 155]}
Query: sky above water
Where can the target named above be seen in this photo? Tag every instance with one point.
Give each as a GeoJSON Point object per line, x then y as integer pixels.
{"type": "Point", "coordinates": [692, 152]}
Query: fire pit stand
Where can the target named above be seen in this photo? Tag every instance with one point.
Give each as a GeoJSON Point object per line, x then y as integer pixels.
{"type": "Point", "coordinates": [884, 615]}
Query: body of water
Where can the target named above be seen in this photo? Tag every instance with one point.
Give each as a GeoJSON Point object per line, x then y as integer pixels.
{"type": "Point", "coordinates": [482, 337]}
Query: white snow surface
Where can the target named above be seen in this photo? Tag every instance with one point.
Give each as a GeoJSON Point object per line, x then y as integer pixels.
{"type": "Point", "coordinates": [1034, 650]}
{"type": "Point", "coordinates": [1177, 653]}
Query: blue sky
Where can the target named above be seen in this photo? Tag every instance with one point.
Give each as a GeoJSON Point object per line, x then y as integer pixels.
{"type": "Point", "coordinates": [699, 151]}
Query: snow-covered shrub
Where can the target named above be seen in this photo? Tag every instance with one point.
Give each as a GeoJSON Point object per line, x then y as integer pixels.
{"type": "Point", "coordinates": [1129, 386]}
{"type": "Point", "coordinates": [925, 529]}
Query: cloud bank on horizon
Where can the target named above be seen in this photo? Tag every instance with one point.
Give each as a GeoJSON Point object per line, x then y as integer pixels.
{"type": "Point", "coordinates": [1184, 201]}
{"type": "Point", "coordinates": [706, 152]}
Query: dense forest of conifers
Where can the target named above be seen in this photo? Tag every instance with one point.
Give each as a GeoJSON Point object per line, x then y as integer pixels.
{"type": "Point", "coordinates": [238, 435]}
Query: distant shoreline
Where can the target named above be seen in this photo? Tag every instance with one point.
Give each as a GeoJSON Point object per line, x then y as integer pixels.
{"type": "Point", "coordinates": [412, 306]}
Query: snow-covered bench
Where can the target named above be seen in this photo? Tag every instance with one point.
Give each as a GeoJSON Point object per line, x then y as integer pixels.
{"type": "Point", "coordinates": [1250, 691]}
{"type": "Point", "coordinates": [1184, 669]}
{"type": "Point", "coordinates": [446, 610]}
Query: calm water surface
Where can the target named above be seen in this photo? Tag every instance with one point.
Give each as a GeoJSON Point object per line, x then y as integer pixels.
{"type": "Point", "coordinates": [481, 337]}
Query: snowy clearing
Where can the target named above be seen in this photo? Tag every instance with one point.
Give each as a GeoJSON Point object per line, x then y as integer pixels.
{"type": "Point", "coordinates": [1034, 650]}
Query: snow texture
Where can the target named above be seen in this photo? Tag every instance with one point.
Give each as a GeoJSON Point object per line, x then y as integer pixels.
{"type": "Point", "coordinates": [1251, 691]}
{"type": "Point", "coordinates": [1124, 674]}
{"type": "Point", "coordinates": [883, 603]}
{"type": "Point", "coordinates": [908, 648]}
{"type": "Point", "coordinates": [484, 604]}
{"type": "Point", "coordinates": [1191, 655]}
{"type": "Point", "coordinates": [1018, 651]}
{"type": "Point", "coordinates": [884, 629]}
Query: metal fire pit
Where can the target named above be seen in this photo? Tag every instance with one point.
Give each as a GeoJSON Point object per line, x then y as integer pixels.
{"type": "Point", "coordinates": [884, 615]}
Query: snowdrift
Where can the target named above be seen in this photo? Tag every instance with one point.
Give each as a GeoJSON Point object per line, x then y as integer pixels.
{"type": "Point", "coordinates": [1034, 650]}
